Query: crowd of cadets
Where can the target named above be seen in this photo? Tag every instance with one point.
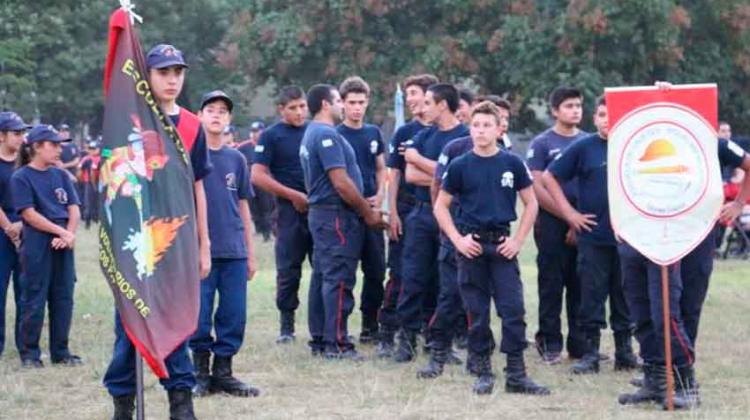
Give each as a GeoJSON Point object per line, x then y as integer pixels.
{"type": "Point", "coordinates": [450, 183]}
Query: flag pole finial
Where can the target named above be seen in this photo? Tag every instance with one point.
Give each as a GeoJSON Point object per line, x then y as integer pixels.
{"type": "Point", "coordinates": [129, 7]}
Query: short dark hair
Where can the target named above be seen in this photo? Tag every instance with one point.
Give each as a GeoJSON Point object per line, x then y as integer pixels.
{"type": "Point", "coordinates": [445, 92]}
{"type": "Point", "coordinates": [466, 95]}
{"type": "Point", "coordinates": [316, 95]}
{"type": "Point", "coordinates": [487, 108]}
{"type": "Point", "coordinates": [354, 84]}
{"type": "Point", "coordinates": [288, 94]}
{"type": "Point", "coordinates": [423, 81]}
{"type": "Point", "coordinates": [563, 93]}
{"type": "Point", "coordinates": [499, 101]}
{"type": "Point", "coordinates": [601, 101]}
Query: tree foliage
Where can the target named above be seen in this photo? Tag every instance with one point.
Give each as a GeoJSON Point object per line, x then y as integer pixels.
{"type": "Point", "coordinates": [519, 48]}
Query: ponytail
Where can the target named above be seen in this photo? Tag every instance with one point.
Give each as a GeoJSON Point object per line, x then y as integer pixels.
{"type": "Point", "coordinates": [25, 154]}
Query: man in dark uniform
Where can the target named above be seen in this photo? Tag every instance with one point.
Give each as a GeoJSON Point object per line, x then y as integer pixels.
{"type": "Point", "coordinates": [486, 182]}
{"type": "Point", "coordinates": [401, 201]}
{"type": "Point", "coordinates": [450, 308]}
{"type": "Point", "coordinates": [598, 261]}
{"type": "Point", "coordinates": [367, 142]}
{"type": "Point", "coordinates": [228, 190]}
{"type": "Point", "coordinates": [420, 260]}
{"type": "Point", "coordinates": [556, 260]}
{"type": "Point", "coordinates": [277, 169]}
{"type": "Point", "coordinates": [262, 203]}
{"type": "Point", "coordinates": [337, 207]}
{"type": "Point", "coordinates": [166, 71]}
{"type": "Point", "coordinates": [12, 132]}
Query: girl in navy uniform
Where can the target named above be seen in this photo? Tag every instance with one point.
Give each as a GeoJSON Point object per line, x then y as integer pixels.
{"type": "Point", "coordinates": [46, 199]}
{"type": "Point", "coordinates": [486, 182]}
{"type": "Point", "coordinates": [232, 265]}
{"type": "Point", "coordinates": [12, 130]}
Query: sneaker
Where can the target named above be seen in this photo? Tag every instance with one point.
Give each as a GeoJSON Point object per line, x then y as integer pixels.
{"type": "Point", "coordinates": [70, 360]}
{"type": "Point", "coordinates": [32, 364]}
{"type": "Point", "coordinates": [551, 358]}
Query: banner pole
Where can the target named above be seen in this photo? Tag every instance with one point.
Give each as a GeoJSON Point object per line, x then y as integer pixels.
{"type": "Point", "coordinates": [139, 407]}
{"type": "Point", "coordinates": [667, 336]}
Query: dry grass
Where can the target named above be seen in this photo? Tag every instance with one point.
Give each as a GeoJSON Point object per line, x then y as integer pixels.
{"type": "Point", "coordinates": [295, 385]}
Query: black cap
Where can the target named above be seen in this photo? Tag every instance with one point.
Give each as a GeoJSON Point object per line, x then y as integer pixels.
{"type": "Point", "coordinates": [214, 95]}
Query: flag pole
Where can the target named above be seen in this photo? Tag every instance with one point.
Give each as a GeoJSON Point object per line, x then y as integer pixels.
{"type": "Point", "coordinates": [139, 407]}
{"type": "Point", "coordinates": [667, 336]}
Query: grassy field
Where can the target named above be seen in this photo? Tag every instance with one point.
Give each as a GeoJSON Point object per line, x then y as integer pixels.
{"type": "Point", "coordinates": [294, 385]}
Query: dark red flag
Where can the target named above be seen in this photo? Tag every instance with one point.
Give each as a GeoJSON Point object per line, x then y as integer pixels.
{"type": "Point", "coordinates": [148, 241]}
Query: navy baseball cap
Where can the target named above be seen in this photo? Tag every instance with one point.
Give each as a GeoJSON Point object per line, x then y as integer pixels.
{"type": "Point", "coordinates": [163, 56]}
{"type": "Point", "coordinates": [44, 132]}
{"type": "Point", "coordinates": [257, 126]}
{"type": "Point", "coordinates": [10, 121]}
{"type": "Point", "coordinates": [230, 129]}
{"type": "Point", "coordinates": [92, 144]}
{"type": "Point", "coordinates": [217, 95]}
{"type": "Point", "coordinates": [64, 127]}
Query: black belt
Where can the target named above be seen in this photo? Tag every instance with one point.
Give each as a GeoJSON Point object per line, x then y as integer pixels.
{"type": "Point", "coordinates": [493, 236]}
{"type": "Point", "coordinates": [406, 198]}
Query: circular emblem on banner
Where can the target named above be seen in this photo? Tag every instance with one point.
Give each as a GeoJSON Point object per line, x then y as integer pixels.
{"type": "Point", "coordinates": [663, 167]}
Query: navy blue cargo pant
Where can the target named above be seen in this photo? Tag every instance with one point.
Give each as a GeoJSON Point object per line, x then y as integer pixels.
{"type": "Point", "coordinates": [695, 270]}
{"type": "Point", "coordinates": [293, 244]}
{"type": "Point", "coordinates": [10, 270]}
{"type": "Point", "coordinates": [120, 376]}
{"type": "Point", "coordinates": [47, 280]}
{"type": "Point", "coordinates": [601, 278]}
{"type": "Point", "coordinates": [228, 277]}
{"type": "Point", "coordinates": [373, 270]}
{"type": "Point", "coordinates": [420, 268]}
{"type": "Point", "coordinates": [482, 279]}
{"type": "Point", "coordinates": [557, 277]}
{"type": "Point", "coordinates": [643, 292]}
{"type": "Point", "coordinates": [388, 315]}
{"type": "Point", "coordinates": [338, 233]}
{"type": "Point", "coordinates": [442, 325]}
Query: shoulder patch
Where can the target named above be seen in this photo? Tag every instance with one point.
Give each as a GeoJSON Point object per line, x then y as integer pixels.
{"type": "Point", "coordinates": [735, 148]}
{"type": "Point", "coordinates": [327, 143]}
{"type": "Point", "coordinates": [260, 148]}
{"type": "Point", "coordinates": [443, 159]}
{"type": "Point", "coordinates": [530, 153]}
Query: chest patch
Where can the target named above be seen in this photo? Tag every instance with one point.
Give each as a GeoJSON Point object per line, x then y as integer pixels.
{"type": "Point", "coordinates": [507, 179]}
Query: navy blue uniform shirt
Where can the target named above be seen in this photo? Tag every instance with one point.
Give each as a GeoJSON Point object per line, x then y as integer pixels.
{"type": "Point", "coordinates": [324, 149]}
{"type": "Point", "coordinates": [49, 192]}
{"type": "Point", "coordinates": [226, 185]}
{"type": "Point", "coordinates": [730, 154]}
{"type": "Point", "coordinates": [545, 148]}
{"type": "Point", "coordinates": [486, 188]}
{"type": "Point", "coordinates": [585, 161]}
{"type": "Point", "coordinates": [69, 153]}
{"type": "Point", "coordinates": [248, 151]}
{"type": "Point", "coordinates": [367, 143]}
{"type": "Point", "coordinates": [6, 200]}
{"type": "Point", "coordinates": [199, 159]}
{"type": "Point", "coordinates": [403, 137]}
{"type": "Point", "coordinates": [278, 148]}
{"type": "Point", "coordinates": [429, 143]}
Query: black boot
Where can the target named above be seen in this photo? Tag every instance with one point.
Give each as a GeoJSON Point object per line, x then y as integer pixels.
{"type": "Point", "coordinates": [652, 390]}
{"type": "Point", "coordinates": [286, 330]}
{"type": "Point", "coordinates": [625, 359]}
{"type": "Point", "coordinates": [472, 364]}
{"type": "Point", "coordinates": [516, 379]}
{"type": "Point", "coordinates": [369, 332]}
{"type": "Point", "coordinates": [485, 382]}
{"type": "Point", "coordinates": [434, 367]}
{"type": "Point", "coordinates": [407, 347]}
{"type": "Point", "coordinates": [687, 392]}
{"type": "Point", "coordinates": [201, 363]}
{"type": "Point", "coordinates": [589, 363]}
{"type": "Point", "coordinates": [386, 343]}
{"type": "Point", "coordinates": [223, 381]}
{"type": "Point", "coordinates": [181, 405]}
{"type": "Point", "coordinates": [124, 407]}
